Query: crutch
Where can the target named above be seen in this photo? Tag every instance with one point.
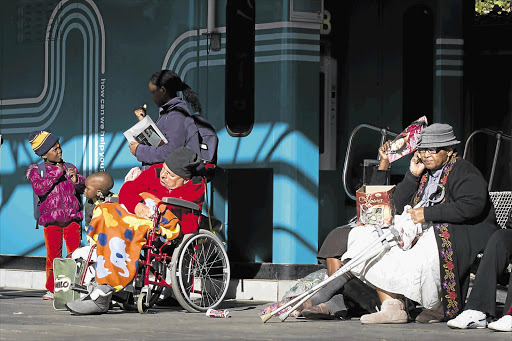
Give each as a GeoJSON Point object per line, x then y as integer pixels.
{"type": "Point", "coordinates": [360, 258]}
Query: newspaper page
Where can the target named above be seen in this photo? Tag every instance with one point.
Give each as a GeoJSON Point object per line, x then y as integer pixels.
{"type": "Point", "coordinates": [146, 132]}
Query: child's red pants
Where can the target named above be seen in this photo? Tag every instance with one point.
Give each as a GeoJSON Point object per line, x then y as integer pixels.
{"type": "Point", "coordinates": [53, 235]}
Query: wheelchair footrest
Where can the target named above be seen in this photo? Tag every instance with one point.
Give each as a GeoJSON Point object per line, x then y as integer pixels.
{"type": "Point", "coordinates": [79, 288]}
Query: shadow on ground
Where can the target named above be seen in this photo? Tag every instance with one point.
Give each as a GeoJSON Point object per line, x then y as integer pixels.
{"type": "Point", "coordinates": [6, 293]}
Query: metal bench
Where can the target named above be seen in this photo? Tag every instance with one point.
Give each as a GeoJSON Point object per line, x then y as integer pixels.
{"type": "Point", "coordinates": [501, 200]}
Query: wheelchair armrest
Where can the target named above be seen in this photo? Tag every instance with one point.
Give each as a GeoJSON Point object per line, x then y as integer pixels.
{"type": "Point", "coordinates": [181, 203]}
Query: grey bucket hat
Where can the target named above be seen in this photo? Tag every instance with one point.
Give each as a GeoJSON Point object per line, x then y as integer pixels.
{"type": "Point", "coordinates": [437, 135]}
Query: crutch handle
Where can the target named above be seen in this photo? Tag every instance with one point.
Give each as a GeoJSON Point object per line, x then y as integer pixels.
{"type": "Point", "coordinates": [432, 197]}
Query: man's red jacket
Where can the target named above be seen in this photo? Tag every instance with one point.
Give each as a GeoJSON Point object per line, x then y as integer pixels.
{"type": "Point", "coordinates": [149, 181]}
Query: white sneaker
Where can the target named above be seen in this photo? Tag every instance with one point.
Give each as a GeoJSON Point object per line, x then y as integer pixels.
{"type": "Point", "coordinates": [48, 296]}
{"type": "Point", "coordinates": [468, 319]}
{"type": "Point", "coordinates": [504, 324]}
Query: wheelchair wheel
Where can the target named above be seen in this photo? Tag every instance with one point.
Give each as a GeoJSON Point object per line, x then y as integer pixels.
{"type": "Point", "coordinates": [155, 290]}
{"type": "Point", "coordinates": [200, 271]}
{"type": "Point", "coordinates": [142, 306]}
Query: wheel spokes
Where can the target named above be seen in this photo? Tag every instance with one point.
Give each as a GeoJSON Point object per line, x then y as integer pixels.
{"type": "Point", "coordinates": [207, 270]}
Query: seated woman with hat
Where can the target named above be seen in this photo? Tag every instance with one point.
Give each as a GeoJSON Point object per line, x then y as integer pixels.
{"type": "Point", "coordinates": [119, 229]}
{"type": "Point", "coordinates": [435, 271]}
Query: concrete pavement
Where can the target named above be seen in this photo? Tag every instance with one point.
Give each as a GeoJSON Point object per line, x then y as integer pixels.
{"type": "Point", "coordinates": [25, 316]}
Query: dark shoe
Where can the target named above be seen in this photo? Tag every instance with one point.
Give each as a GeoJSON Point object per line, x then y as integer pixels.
{"type": "Point", "coordinates": [360, 298]}
{"type": "Point", "coordinates": [321, 312]}
{"type": "Point", "coordinates": [431, 315]}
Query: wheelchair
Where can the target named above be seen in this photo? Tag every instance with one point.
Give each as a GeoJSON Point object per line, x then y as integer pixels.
{"type": "Point", "coordinates": [195, 266]}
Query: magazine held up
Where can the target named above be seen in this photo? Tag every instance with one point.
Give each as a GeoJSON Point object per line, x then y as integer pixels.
{"type": "Point", "coordinates": [146, 132]}
{"type": "Point", "coordinates": [374, 203]}
{"type": "Point", "coordinates": [406, 142]}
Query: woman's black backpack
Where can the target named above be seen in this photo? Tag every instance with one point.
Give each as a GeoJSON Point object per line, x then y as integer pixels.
{"type": "Point", "coordinates": [201, 137]}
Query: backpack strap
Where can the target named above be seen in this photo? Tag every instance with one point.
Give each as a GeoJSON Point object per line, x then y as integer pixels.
{"type": "Point", "coordinates": [42, 172]}
{"type": "Point", "coordinates": [181, 110]}
{"type": "Point", "coordinates": [42, 169]}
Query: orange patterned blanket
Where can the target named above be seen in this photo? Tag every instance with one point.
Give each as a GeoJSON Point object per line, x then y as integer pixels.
{"type": "Point", "coordinates": [120, 235]}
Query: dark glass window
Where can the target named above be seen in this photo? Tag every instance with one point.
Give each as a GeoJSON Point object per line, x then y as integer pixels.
{"type": "Point", "coordinates": [418, 64]}
{"type": "Point", "coordinates": [239, 67]}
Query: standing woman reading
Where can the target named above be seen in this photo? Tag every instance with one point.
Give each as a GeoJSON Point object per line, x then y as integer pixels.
{"type": "Point", "coordinates": [164, 86]}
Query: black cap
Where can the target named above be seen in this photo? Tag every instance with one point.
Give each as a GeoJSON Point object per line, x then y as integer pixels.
{"type": "Point", "coordinates": [183, 162]}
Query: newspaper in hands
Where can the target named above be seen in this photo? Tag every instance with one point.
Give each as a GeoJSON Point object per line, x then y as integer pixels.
{"type": "Point", "coordinates": [146, 132]}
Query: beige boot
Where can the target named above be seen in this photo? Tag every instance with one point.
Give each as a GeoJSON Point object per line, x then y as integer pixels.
{"type": "Point", "coordinates": [392, 311]}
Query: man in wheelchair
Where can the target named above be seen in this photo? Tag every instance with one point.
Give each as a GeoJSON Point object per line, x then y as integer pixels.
{"type": "Point", "coordinates": [119, 230]}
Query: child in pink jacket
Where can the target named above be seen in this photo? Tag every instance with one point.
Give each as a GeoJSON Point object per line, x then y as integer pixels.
{"type": "Point", "coordinates": [58, 188]}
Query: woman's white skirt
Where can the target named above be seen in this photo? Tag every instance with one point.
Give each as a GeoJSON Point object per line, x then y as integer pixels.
{"type": "Point", "coordinates": [413, 273]}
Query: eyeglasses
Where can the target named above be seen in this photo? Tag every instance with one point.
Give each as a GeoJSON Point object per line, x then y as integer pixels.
{"type": "Point", "coordinates": [431, 151]}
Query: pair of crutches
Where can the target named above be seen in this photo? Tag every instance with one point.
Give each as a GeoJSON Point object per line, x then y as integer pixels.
{"type": "Point", "coordinates": [385, 241]}
{"type": "Point", "coordinates": [362, 256]}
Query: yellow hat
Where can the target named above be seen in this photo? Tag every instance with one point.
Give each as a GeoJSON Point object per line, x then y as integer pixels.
{"type": "Point", "coordinates": [42, 141]}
